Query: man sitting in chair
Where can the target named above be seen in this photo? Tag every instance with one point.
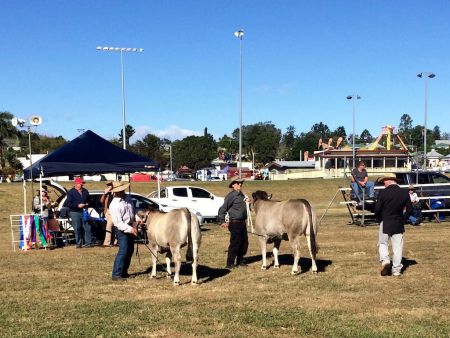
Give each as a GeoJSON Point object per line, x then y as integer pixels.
{"type": "Point", "coordinates": [360, 181]}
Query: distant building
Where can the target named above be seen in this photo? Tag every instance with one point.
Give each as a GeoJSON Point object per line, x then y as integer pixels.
{"type": "Point", "coordinates": [26, 160]}
{"type": "Point", "coordinates": [434, 158]}
{"type": "Point", "coordinates": [442, 144]}
{"type": "Point", "coordinates": [286, 170]}
{"type": "Point", "coordinates": [282, 166]}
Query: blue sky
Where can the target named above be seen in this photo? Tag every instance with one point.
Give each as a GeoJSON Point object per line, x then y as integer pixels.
{"type": "Point", "coordinates": [300, 61]}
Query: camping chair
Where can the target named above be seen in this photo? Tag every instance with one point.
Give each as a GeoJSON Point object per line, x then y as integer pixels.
{"type": "Point", "coordinates": [65, 223]}
{"type": "Point", "coordinates": [57, 235]}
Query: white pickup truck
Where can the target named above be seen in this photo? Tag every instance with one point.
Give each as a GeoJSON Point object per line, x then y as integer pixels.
{"type": "Point", "coordinates": [199, 199]}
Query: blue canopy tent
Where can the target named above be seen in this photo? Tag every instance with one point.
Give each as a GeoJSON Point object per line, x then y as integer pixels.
{"type": "Point", "coordinates": [89, 154]}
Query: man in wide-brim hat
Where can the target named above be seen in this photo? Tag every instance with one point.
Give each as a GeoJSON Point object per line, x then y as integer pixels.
{"type": "Point", "coordinates": [235, 205]}
{"type": "Point", "coordinates": [124, 219]}
{"type": "Point", "coordinates": [389, 211]}
{"type": "Point", "coordinates": [236, 180]}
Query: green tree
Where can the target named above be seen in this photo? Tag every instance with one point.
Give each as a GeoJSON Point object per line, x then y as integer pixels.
{"type": "Point", "coordinates": [305, 142]}
{"type": "Point", "coordinates": [7, 130]}
{"type": "Point", "coordinates": [287, 142]}
{"type": "Point", "coordinates": [321, 130]}
{"type": "Point", "coordinates": [340, 132]}
{"type": "Point", "coordinates": [288, 138]}
{"type": "Point", "coordinates": [129, 132]}
{"type": "Point", "coordinates": [229, 144]}
{"type": "Point", "coordinates": [365, 137]}
{"type": "Point", "coordinates": [416, 137]}
{"type": "Point", "coordinates": [436, 133]}
{"type": "Point", "coordinates": [194, 151]}
{"type": "Point", "coordinates": [405, 129]}
{"type": "Point", "coordinates": [405, 123]}
{"type": "Point", "coordinates": [11, 158]}
{"type": "Point", "coordinates": [151, 147]}
{"type": "Point", "coordinates": [260, 140]}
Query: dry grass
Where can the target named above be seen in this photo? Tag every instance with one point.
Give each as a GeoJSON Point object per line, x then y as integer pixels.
{"type": "Point", "coordinates": [68, 292]}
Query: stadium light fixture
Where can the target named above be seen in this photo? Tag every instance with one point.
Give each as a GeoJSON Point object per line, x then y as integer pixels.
{"type": "Point", "coordinates": [121, 50]}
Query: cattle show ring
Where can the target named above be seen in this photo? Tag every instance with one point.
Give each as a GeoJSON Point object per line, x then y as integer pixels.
{"type": "Point", "coordinates": [69, 292]}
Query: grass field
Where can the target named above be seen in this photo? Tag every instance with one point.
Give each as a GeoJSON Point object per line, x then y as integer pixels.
{"type": "Point", "coordinates": [68, 292]}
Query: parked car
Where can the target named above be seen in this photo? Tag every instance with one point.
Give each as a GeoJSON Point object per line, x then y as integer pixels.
{"type": "Point", "coordinates": [185, 177]}
{"type": "Point", "coordinates": [96, 209]}
{"type": "Point", "coordinates": [95, 178]}
{"type": "Point", "coordinates": [191, 197]}
{"type": "Point", "coordinates": [432, 183]}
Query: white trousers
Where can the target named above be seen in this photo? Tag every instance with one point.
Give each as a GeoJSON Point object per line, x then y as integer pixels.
{"type": "Point", "coordinates": [397, 250]}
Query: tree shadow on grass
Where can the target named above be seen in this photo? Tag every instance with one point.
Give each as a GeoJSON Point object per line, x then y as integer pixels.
{"type": "Point", "coordinates": [288, 259]}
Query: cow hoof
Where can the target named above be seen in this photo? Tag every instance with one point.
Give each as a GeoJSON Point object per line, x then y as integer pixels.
{"type": "Point", "coordinates": [314, 272]}
{"type": "Point", "coordinates": [276, 266]}
{"type": "Point", "coordinates": [263, 267]}
{"type": "Point", "coordinates": [194, 282]}
{"type": "Point", "coordinates": [293, 273]}
{"type": "Point", "coordinates": [153, 277]}
{"type": "Point", "coordinates": [169, 275]}
{"type": "Point", "coordinates": [176, 283]}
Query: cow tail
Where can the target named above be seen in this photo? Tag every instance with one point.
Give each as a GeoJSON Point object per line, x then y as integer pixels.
{"type": "Point", "coordinates": [189, 253]}
{"type": "Point", "coordinates": [312, 227]}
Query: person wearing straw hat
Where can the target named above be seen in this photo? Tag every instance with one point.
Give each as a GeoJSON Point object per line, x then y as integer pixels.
{"type": "Point", "coordinates": [76, 201]}
{"type": "Point", "coordinates": [235, 205]}
{"type": "Point", "coordinates": [392, 209]}
{"type": "Point", "coordinates": [124, 219]}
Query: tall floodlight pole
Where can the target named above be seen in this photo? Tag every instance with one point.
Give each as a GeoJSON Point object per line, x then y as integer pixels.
{"type": "Point", "coordinates": [121, 50]}
{"type": "Point", "coordinates": [34, 120]}
{"type": "Point", "coordinates": [239, 34]}
{"type": "Point", "coordinates": [171, 159]}
{"type": "Point", "coordinates": [169, 147]}
{"type": "Point", "coordinates": [353, 98]}
{"type": "Point", "coordinates": [425, 76]}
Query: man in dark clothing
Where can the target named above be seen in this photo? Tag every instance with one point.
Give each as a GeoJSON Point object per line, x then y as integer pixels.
{"type": "Point", "coordinates": [77, 200]}
{"type": "Point", "coordinates": [392, 209]}
{"type": "Point", "coordinates": [235, 205]}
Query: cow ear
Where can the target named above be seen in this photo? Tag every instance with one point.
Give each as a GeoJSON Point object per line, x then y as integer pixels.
{"type": "Point", "coordinates": [270, 197]}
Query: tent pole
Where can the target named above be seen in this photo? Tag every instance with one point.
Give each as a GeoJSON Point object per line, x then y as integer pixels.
{"type": "Point", "coordinates": [159, 187]}
{"type": "Point", "coordinates": [24, 196]}
{"type": "Point", "coordinates": [40, 193]}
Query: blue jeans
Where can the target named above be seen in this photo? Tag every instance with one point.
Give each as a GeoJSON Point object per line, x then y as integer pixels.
{"type": "Point", "coordinates": [370, 186]}
{"type": "Point", "coordinates": [123, 258]}
{"type": "Point", "coordinates": [78, 225]}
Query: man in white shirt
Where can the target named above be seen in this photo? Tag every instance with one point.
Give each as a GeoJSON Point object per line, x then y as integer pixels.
{"type": "Point", "coordinates": [124, 219]}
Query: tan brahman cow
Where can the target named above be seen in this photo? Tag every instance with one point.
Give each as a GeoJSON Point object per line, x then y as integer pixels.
{"type": "Point", "coordinates": [171, 231]}
{"type": "Point", "coordinates": [293, 217]}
